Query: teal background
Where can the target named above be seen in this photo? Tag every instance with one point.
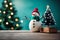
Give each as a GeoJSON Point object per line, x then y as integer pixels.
{"type": "Point", "coordinates": [25, 8]}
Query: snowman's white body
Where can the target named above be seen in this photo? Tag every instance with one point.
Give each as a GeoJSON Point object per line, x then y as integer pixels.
{"type": "Point", "coordinates": [34, 25]}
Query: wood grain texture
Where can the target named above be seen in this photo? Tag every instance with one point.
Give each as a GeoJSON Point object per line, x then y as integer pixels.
{"type": "Point", "coordinates": [27, 35]}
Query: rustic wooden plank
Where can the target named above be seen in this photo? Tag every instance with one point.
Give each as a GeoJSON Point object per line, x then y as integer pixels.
{"type": "Point", "coordinates": [27, 35]}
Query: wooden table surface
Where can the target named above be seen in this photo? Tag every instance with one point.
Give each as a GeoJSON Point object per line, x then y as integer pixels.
{"type": "Point", "coordinates": [27, 35]}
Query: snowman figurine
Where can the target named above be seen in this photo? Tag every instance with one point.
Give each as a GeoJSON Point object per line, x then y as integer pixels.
{"type": "Point", "coordinates": [35, 23]}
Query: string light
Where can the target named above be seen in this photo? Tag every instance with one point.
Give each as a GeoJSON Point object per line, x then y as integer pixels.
{"type": "Point", "coordinates": [11, 8]}
{"type": "Point", "coordinates": [0, 20]}
{"type": "Point", "coordinates": [16, 19]}
{"type": "Point", "coordinates": [4, 12]}
{"type": "Point", "coordinates": [10, 3]}
{"type": "Point", "coordinates": [9, 17]}
{"type": "Point", "coordinates": [45, 21]}
{"type": "Point", "coordinates": [5, 1]}
{"type": "Point", "coordinates": [7, 23]}
{"type": "Point", "coordinates": [6, 5]}
{"type": "Point", "coordinates": [21, 21]}
{"type": "Point", "coordinates": [12, 13]}
{"type": "Point", "coordinates": [0, 11]}
{"type": "Point", "coordinates": [17, 25]}
{"type": "Point", "coordinates": [12, 28]}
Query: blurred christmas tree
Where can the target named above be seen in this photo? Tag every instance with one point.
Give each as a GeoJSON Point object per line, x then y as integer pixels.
{"type": "Point", "coordinates": [8, 19]}
{"type": "Point", "coordinates": [48, 18]}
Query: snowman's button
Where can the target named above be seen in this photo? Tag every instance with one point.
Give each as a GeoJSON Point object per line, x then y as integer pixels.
{"type": "Point", "coordinates": [33, 26]}
{"type": "Point", "coordinates": [33, 23]}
